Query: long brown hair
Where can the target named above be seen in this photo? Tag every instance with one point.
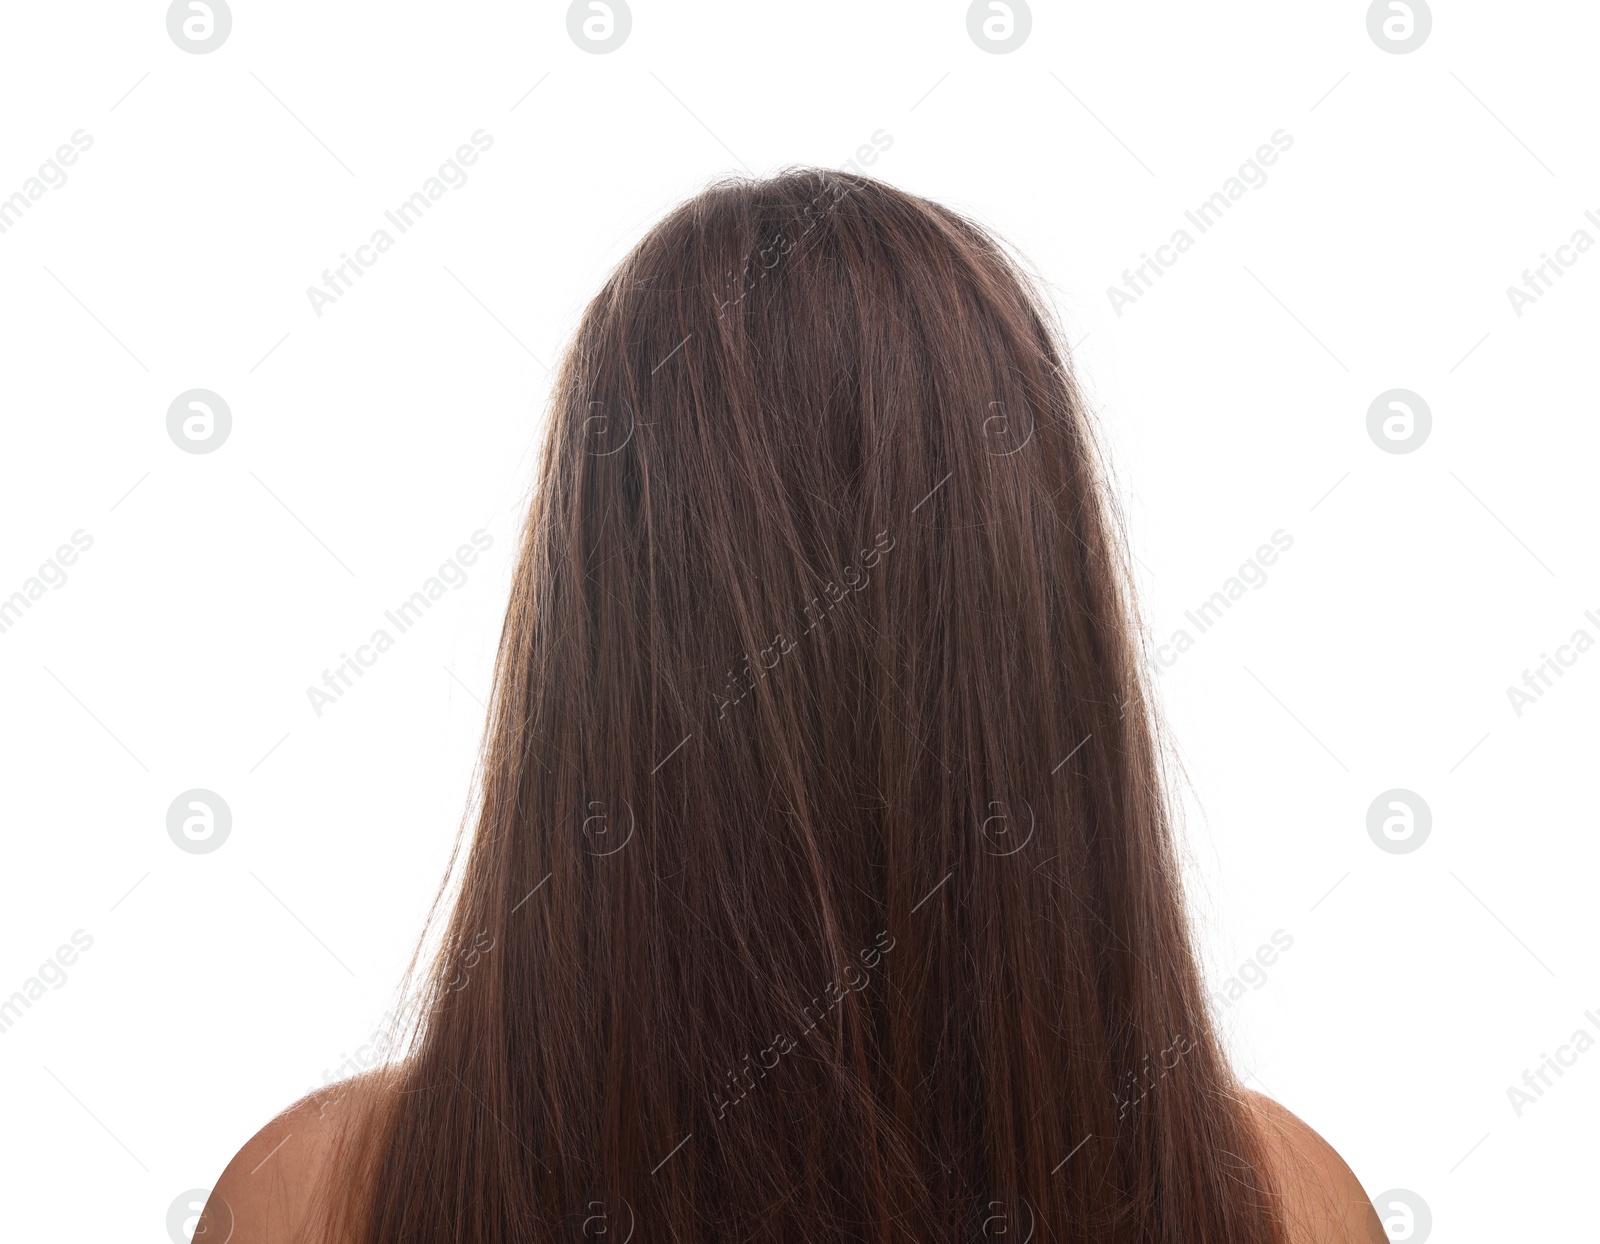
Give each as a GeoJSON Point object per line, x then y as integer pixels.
{"type": "Point", "coordinates": [822, 885]}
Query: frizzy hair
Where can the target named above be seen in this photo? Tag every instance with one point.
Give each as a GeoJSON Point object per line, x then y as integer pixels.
{"type": "Point", "coordinates": [821, 885]}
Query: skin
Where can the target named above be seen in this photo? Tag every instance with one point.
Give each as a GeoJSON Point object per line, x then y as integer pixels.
{"type": "Point", "coordinates": [264, 1195]}
{"type": "Point", "coordinates": [1323, 1201]}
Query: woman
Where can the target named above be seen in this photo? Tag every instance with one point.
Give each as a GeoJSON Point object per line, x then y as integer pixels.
{"type": "Point", "coordinates": [822, 886]}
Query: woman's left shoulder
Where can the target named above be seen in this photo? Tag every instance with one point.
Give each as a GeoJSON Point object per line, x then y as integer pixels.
{"type": "Point", "coordinates": [268, 1192]}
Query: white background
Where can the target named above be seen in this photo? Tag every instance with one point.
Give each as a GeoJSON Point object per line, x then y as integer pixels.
{"type": "Point", "coordinates": [368, 443]}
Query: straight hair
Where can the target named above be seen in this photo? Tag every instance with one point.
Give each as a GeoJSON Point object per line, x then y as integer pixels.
{"type": "Point", "coordinates": [822, 883]}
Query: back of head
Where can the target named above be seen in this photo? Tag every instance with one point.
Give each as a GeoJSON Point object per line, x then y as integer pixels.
{"type": "Point", "coordinates": [821, 885]}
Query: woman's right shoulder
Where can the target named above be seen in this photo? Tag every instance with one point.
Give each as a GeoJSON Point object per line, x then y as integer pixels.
{"type": "Point", "coordinates": [1322, 1200]}
{"type": "Point", "coordinates": [269, 1192]}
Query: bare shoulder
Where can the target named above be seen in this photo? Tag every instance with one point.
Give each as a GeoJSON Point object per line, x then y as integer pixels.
{"type": "Point", "coordinates": [268, 1192]}
{"type": "Point", "coordinates": [1323, 1201]}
